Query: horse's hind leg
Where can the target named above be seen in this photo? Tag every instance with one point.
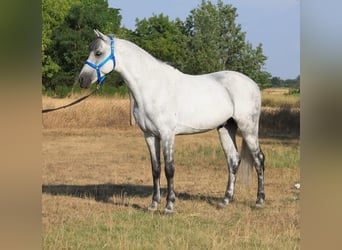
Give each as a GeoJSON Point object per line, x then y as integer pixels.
{"type": "Point", "coordinates": [259, 161]}
{"type": "Point", "coordinates": [227, 135]}
{"type": "Point", "coordinates": [153, 144]}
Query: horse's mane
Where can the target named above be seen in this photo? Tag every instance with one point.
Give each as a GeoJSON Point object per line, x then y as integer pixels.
{"type": "Point", "coordinates": [147, 54]}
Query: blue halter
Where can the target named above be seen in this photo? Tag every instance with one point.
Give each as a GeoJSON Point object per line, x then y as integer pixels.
{"type": "Point", "coordinates": [100, 78]}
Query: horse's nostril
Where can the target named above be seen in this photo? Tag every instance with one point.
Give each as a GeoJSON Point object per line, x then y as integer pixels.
{"type": "Point", "coordinates": [83, 80]}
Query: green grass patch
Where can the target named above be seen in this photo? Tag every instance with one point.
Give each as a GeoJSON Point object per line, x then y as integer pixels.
{"type": "Point", "coordinates": [200, 155]}
{"type": "Point", "coordinates": [282, 157]}
{"type": "Point", "coordinates": [134, 229]}
{"type": "Point", "coordinates": [277, 155]}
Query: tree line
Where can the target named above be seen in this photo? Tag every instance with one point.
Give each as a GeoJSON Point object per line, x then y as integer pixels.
{"type": "Point", "coordinates": [288, 83]}
{"type": "Point", "coordinates": [208, 40]}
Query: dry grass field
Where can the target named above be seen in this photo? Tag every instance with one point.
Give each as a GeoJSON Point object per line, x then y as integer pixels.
{"type": "Point", "coordinates": [97, 183]}
{"type": "Point", "coordinates": [278, 97]}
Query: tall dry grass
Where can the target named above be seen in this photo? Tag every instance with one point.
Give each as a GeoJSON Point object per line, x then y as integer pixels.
{"type": "Point", "coordinates": [282, 118]}
{"type": "Point", "coordinates": [91, 113]}
{"type": "Point", "coordinates": [279, 98]}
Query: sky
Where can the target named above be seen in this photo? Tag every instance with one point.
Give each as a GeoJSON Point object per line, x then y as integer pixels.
{"type": "Point", "coordinates": [273, 23]}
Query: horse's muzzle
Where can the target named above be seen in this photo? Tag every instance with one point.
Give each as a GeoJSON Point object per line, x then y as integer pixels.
{"type": "Point", "coordinates": [84, 82]}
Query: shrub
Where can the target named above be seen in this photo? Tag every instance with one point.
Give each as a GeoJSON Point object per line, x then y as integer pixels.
{"type": "Point", "coordinates": [62, 91]}
{"type": "Point", "coordinates": [294, 91]}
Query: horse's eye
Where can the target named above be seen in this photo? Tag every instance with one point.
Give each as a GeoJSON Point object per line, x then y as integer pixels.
{"type": "Point", "coordinates": [98, 53]}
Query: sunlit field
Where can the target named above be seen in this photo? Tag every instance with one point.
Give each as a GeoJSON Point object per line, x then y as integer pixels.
{"type": "Point", "coordinates": [97, 184]}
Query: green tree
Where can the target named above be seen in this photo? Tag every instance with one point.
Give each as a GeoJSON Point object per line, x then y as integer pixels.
{"type": "Point", "coordinates": [68, 38]}
{"type": "Point", "coordinates": [216, 43]}
{"type": "Point", "coordinates": [205, 43]}
{"type": "Point", "coordinates": [162, 38]}
{"type": "Point", "coordinates": [277, 82]}
{"type": "Point", "coordinates": [53, 15]}
{"type": "Point", "coordinates": [292, 83]}
{"type": "Point", "coordinates": [254, 60]}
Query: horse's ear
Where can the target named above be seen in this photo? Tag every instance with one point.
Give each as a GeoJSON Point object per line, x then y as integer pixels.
{"type": "Point", "coordinates": [97, 33]}
{"type": "Point", "coordinates": [100, 35]}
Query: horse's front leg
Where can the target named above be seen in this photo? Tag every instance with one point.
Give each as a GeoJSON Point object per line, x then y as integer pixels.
{"type": "Point", "coordinates": [153, 144]}
{"type": "Point", "coordinates": [168, 150]}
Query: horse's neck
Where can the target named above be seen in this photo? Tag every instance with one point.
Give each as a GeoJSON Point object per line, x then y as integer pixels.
{"type": "Point", "coordinates": [139, 69]}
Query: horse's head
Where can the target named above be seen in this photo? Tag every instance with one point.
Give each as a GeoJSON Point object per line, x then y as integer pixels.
{"type": "Point", "coordinates": [101, 60]}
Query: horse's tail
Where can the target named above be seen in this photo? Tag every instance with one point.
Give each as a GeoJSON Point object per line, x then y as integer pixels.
{"type": "Point", "coordinates": [246, 164]}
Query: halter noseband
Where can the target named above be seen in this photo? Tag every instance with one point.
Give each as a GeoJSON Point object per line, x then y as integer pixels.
{"type": "Point", "coordinates": [100, 78]}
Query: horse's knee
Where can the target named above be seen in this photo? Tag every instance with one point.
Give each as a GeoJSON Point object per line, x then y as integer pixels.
{"type": "Point", "coordinates": [169, 169]}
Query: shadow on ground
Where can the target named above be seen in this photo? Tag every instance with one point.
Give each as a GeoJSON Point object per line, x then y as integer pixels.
{"type": "Point", "coordinates": [106, 192]}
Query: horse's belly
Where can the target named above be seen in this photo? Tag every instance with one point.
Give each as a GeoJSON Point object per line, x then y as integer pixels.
{"type": "Point", "coordinates": [203, 114]}
{"type": "Point", "coordinates": [201, 124]}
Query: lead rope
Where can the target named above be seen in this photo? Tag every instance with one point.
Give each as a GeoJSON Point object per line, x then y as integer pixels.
{"type": "Point", "coordinates": [74, 102]}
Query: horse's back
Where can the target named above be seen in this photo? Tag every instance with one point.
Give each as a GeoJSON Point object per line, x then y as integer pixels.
{"type": "Point", "coordinates": [244, 92]}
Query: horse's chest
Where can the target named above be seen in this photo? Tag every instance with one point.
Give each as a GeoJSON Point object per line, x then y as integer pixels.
{"type": "Point", "coordinates": [145, 119]}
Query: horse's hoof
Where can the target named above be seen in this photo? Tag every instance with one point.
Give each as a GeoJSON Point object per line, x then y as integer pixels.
{"type": "Point", "coordinates": [259, 204]}
{"type": "Point", "coordinates": [221, 205]}
{"type": "Point", "coordinates": [153, 207]}
{"type": "Point", "coordinates": [168, 211]}
{"type": "Point", "coordinates": [260, 200]}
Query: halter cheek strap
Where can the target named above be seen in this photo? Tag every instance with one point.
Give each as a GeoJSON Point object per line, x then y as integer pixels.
{"type": "Point", "coordinates": [98, 67]}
